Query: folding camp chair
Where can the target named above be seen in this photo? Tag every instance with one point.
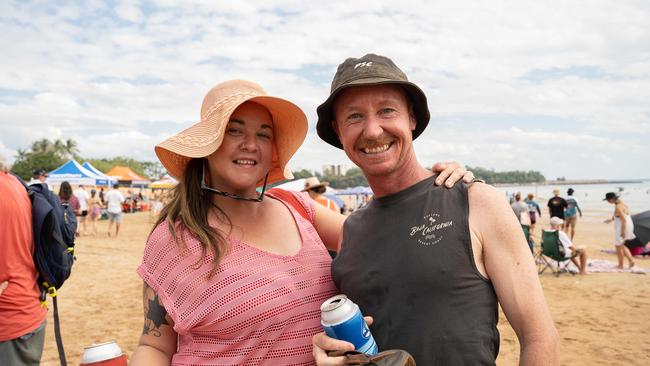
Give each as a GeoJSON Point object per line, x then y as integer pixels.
{"type": "Point", "coordinates": [537, 253]}
{"type": "Point", "coordinates": [526, 230]}
{"type": "Point", "coordinates": [550, 254]}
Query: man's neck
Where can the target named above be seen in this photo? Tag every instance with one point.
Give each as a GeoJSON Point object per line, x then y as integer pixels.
{"type": "Point", "coordinates": [408, 175]}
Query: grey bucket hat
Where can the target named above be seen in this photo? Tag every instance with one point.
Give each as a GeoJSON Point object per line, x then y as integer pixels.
{"type": "Point", "coordinates": [370, 69]}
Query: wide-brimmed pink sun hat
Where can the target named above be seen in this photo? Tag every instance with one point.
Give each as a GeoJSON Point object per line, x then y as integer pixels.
{"type": "Point", "coordinates": [204, 137]}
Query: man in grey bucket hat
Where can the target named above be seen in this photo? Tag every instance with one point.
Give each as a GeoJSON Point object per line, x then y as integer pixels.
{"type": "Point", "coordinates": [429, 264]}
{"type": "Point", "coordinates": [370, 70]}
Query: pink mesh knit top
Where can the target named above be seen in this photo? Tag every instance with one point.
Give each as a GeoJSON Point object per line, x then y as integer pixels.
{"type": "Point", "coordinates": [258, 309]}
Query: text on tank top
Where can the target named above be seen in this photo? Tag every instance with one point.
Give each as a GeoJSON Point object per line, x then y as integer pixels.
{"type": "Point", "coordinates": [407, 261]}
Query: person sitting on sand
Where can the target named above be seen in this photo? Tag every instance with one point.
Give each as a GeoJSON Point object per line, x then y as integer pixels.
{"type": "Point", "coordinates": [637, 247]}
{"type": "Point", "coordinates": [569, 248]}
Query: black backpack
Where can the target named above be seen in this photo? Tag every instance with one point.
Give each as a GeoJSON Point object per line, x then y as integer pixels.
{"type": "Point", "coordinates": [54, 225]}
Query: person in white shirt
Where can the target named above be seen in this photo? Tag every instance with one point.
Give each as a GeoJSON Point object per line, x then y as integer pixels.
{"type": "Point", "coordinates": [569, 248]}
{"type": "Point", "coordinates": [83, 197]}
{"type": "Point", "coordinates": [40, 176]}
{"type": "Point", "coordinates": [114, 199]}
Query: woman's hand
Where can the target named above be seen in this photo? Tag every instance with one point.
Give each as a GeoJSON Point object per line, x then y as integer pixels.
{"type": "Point", "coordinates": [450, 173]}
{"type": "Point", "coordinates": [322, 344]}
{"type": "Point", "coordinates": [3, 286]}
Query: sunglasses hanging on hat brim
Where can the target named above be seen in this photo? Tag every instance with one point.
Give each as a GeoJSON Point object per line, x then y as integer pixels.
{"type": "Point", "coordinates": [204, 187]}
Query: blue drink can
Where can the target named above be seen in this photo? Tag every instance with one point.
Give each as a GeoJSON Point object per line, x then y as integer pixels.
{"type": "Point", "coordinates": [342, 319]}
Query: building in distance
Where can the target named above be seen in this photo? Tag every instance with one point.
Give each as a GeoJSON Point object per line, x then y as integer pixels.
{"type": "Point", "coordinates": [336, 169]}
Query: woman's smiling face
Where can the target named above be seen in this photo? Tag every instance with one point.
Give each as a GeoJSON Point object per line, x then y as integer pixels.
{"type": "Point", "coordinates": [245, 154]}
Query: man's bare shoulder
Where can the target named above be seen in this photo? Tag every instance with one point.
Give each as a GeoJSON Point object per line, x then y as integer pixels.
{"type": "Point", "coordinates": [489, 211]}
{"type": "Point", "coordinates": [484, 196]}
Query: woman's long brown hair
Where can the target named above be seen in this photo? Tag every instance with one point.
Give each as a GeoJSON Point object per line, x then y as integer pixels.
{"type": "Point", "coordinates": [190, 205]}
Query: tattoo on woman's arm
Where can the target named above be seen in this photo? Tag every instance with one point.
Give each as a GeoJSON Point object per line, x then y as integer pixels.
{"type": "Point", "coordinates": [155, 314]}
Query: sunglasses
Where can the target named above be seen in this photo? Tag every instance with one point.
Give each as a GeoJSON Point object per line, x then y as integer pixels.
{"type": "Point", "coordinates": [204, 187]}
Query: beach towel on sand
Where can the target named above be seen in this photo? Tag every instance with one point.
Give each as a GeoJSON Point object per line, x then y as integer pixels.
{"type": "Point", "coordinates": [607, 266]}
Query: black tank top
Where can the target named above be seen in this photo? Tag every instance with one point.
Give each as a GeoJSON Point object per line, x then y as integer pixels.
{"type": "Point", "coordinates": [407, 261]}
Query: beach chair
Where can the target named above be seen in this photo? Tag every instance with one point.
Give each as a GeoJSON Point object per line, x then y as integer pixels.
{"type": "Point", "coordinates": [526, 230]}
{"type": "Point", "coordinates": [551, 254]}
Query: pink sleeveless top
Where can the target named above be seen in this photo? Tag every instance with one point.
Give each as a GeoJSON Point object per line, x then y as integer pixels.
{"type": "Point", "coordinates": [258, 309]}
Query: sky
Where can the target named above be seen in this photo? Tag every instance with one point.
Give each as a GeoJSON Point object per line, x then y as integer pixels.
{"type": "Point", "coordinates": [561, 87]}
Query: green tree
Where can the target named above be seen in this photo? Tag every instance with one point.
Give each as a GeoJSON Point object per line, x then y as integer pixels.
{"type": "Point", "coordinates": [516, 176]}
{"type": "Point", "coordinates": [304, 173]}
{"type": "Point", "coordinates": [43, 154]}
{"type": "Point", "coordinates": [105, 164]}
{"type": "Point", "coordinates": [71, 149]}
{"type": "Point", "coordinates": [353, 177]}
{"type": "Point", "coordinates": [153, 169]}
{"type": "Point", "coordinates": [49, 155]}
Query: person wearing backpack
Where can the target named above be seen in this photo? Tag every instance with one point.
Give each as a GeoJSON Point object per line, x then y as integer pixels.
{"type": "Point", "coordinates": [22, 318]}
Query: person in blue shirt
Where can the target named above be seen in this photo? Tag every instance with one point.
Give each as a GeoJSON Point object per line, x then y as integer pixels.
{"type": "Point", "coordinates": [571, 213]}
{"type": "Point", "coordinates": [533, 210]}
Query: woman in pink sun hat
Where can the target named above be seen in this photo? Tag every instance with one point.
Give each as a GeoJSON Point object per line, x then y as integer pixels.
{"type": "Point", "coordinates": [232, 276]}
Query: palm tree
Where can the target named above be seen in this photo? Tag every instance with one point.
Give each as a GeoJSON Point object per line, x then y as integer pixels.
{"type": "Point", "coordinates": [59, 147]}
{"type": "Point", "coordinates": [21, 154]}
{"type": "Point", "coordinates": [42, 145]}
{"type": "Point", "coordinates": [71, 148]}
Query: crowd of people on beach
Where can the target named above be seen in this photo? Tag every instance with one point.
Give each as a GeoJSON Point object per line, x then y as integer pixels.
{"type": "Point", "coordinates": [235, 274]}
{"type": "Point", "coordinates": [564, 213]}
{"type": "Point", "coordinates": [96, 205]}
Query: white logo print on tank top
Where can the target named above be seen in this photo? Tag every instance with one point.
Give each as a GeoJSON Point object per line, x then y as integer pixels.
{"type": "Point", "coordinates": [431, 231]}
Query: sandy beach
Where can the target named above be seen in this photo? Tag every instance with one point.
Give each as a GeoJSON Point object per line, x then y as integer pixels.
{"type": "Point", "coordinates": [602, 318]}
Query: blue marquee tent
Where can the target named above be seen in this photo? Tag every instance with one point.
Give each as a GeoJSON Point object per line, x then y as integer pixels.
{"type": "Point", "coordinates": [339, 202]}
{"type": "Point", "coordinates": [74, 173]}
{"type": "Point", "coordinates": [360, 194]}
{"type": "Point", "coordinates": [109, 180]}
{"type": "Point", "coordinates": [358, 190]}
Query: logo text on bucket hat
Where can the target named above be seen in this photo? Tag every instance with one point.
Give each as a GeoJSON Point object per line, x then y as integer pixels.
{"type": "Point", "coordinates": [363, 64]}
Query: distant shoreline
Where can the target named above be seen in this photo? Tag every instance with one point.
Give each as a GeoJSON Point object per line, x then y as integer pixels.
{"type": "Point", "coordinates": [574, 182]}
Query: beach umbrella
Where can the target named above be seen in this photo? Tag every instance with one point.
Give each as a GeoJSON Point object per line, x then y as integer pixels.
{"type": "Point", "coordinates": [166, 182]}
{"type": "Point", "coordinates": [642, 226]}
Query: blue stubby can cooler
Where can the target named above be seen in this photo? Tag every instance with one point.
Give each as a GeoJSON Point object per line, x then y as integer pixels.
{"type": "Point", "coordinates": [342, 319]}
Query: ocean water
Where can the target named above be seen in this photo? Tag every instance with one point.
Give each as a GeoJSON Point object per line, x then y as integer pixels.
{"type": "Point", "coordinates": [589, 196]}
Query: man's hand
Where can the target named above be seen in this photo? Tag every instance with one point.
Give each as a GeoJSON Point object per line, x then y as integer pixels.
{"type": "Point", "coordinates": [450, 173]}
{"type": "Point", "coordinates": [3, 286]}
{"type": "Point", "coordinates": [322, 344]}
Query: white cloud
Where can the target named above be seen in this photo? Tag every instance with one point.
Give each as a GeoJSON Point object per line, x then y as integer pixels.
{"type": "Point", "coordinates": [129, 10]}
{"type": "Point", "coordinates": [100, 74]}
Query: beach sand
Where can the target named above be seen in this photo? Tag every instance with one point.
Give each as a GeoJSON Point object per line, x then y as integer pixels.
{"type": "Point", "coordinates": [602, 318]}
